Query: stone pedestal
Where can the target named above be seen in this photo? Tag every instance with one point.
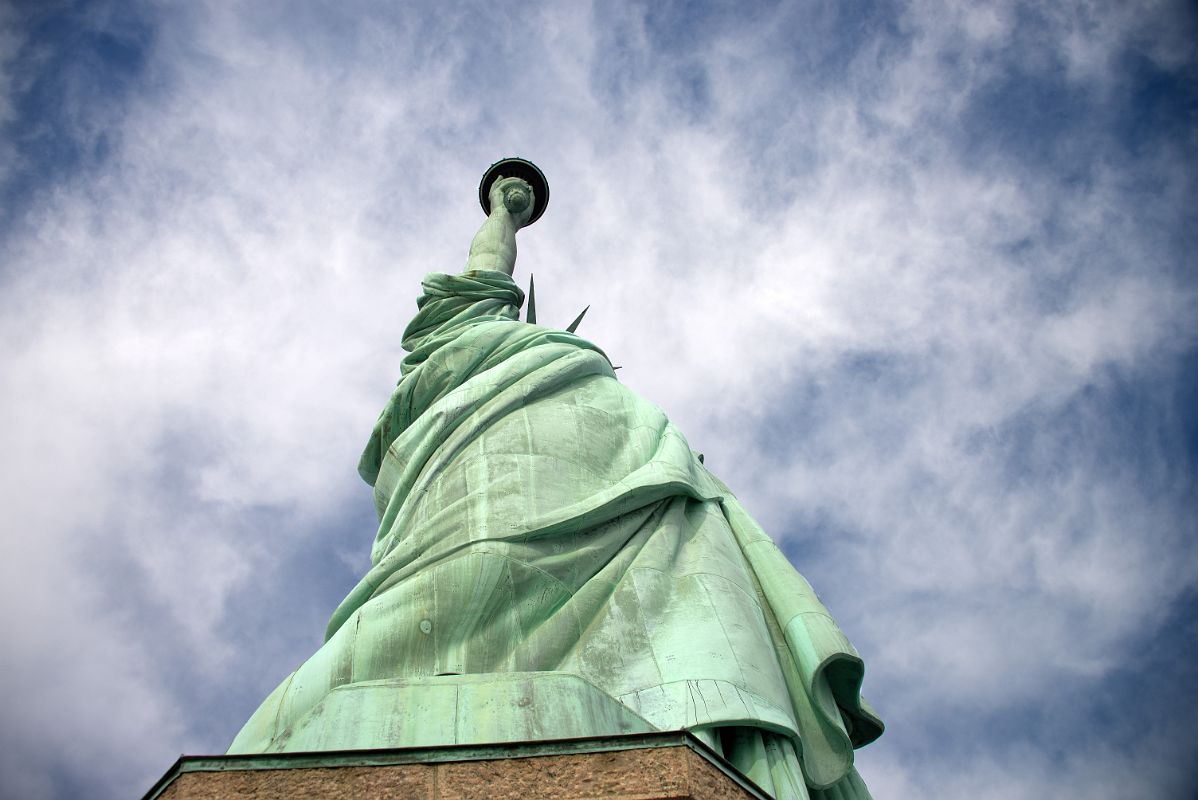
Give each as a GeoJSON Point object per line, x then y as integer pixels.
{"type": "Point", "coordinates": [644, 766]}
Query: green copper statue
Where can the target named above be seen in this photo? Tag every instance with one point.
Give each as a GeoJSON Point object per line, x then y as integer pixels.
{"type": "Point", "coordinates": [552, 560]}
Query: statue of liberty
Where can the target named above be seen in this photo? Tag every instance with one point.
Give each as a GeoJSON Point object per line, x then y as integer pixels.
{"type": "Point", "coordinates": [543, 527]}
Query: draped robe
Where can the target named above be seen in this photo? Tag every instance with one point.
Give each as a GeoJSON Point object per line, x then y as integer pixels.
{"type": "Point", "coordinates": [537, 515]}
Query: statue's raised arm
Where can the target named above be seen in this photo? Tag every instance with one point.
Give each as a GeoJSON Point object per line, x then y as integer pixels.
{"type": "Point", "coordinates": [514, 194]}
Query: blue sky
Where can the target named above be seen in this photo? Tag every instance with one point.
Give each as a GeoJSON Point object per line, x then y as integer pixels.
{"type": "Point", "coordinates": [918, 279]}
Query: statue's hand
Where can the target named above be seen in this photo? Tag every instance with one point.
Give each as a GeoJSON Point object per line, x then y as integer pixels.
{"type": "Point", "coordinates": [514, 196]}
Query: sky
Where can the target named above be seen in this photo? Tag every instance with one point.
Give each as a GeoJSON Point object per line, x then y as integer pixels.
{"type": "Point", "coordinates": [918, 279]}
